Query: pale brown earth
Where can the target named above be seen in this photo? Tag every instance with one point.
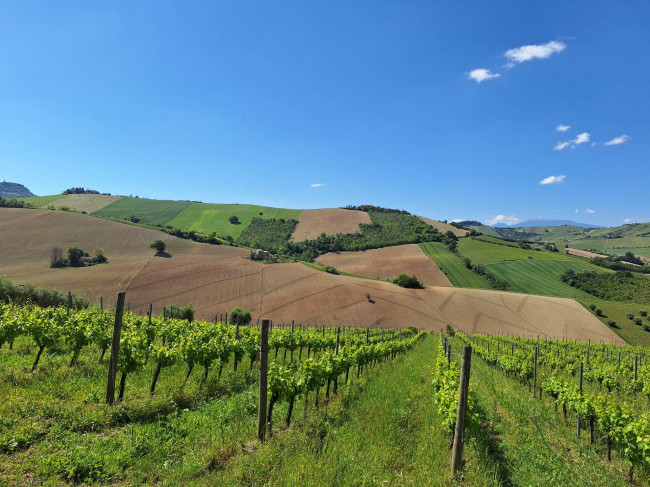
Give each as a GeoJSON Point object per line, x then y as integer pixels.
{"type": "Point", "coordinates": [583, 253]}
{"type": "Point", "coordinates": [388, 263]}
{"type": "Point", "coordinates": [217, 278]}
{"type": "Point", "coordinates": [444, 227]}
{"type": "Point", "coordinates": [330, 221]}
{"type": "Point", "coordinates": [28, 236]}
{"type": "Point", "coordinates": [84, 202]}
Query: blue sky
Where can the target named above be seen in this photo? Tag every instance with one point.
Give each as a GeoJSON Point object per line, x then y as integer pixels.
{"type": "Point", "coordinates": [449, 110]}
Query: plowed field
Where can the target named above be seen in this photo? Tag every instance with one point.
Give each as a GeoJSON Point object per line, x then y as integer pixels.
{"type": "Point", "coordinates": [216, 278]}
{"type": "Point", "coordinates": [583, 253]}
{"type": "Point", "coordinates": [84, 202]}
{"type": "Point", "coordinates": [331, 221]}
{"type": "Point", "coordinates": [388, 263]}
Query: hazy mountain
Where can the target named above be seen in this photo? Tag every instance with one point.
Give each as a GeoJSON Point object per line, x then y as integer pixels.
{"type": "Point", "coordinates": [14, 190]}
{"type": "Point", "coordinates": [545, 222]}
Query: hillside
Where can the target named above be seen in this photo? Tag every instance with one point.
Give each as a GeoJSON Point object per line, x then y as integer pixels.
{"type": "Point", "coordinates": [217, 278]}
{"type": "Point", "coordinates": [14, 190]}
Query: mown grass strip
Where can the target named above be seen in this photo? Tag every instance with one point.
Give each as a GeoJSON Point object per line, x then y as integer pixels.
{"type": "Point", "coordinates": [453, 266]}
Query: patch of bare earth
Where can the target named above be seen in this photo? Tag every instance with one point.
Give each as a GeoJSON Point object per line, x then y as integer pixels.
{"type": "Point", "coordinates": [583, 253]}
{"type": "Point", "coordinates": [84, 202]}
{"type": "Point", "coordinates": [444, 227]}
{"type": "Point", "coordinates": [27, 238]}
{"type": "Point", "coordinates": [217, 278]}
{"type": "Point", "coordinates": [330, 220]}
{"type": "Point", "coordinates": [388, 263]}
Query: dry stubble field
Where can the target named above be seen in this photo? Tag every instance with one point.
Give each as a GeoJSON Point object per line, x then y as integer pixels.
{"type": "Point", "coordinates": [329, 220]}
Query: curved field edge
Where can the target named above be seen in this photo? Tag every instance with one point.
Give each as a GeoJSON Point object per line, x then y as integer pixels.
{"type": "Point", "coordinates": [624, 327]}
{"type": "Point", "coordinates": [537, 276]}
{"type": "Point", "coordinates": [453, 266]}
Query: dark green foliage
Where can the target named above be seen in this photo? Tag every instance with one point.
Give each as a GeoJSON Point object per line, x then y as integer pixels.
{"type": "Point", "coordinates": [617, 286]}
{"type": "Point", "coordinates": [80, 191]}
{"type": "Point", "coordinates": [13, 203]}
{"type": "Point", "coordinates": [158, 245]}
{"type": "Point", "coordinates": [406, 281]}
{"type": "Point", "coordinates": [638, 321]}
{"type": "Point", "coordinates": [100, 257]}
{"type": "Point", "coordinates": [643, 312]}
{"type": "Point", "coordinates": [450, 331]}
{"type": "Point", "coordinates": [592, 306]}
{"type": "Point", "coordinates": [331, 270]}
{"type": "Point", "coordinates": [630, 316]}
{"type": "Point", "coordinates": [74, 256]}
{"type": "Point", "coordinates": [26, 293]}
{"type": "Point", "coordinates": [598, 311]}
{"type": "Point", "coordinates": [270, 235]}
{"type": "Point", "coordinates": [617, 263]}
{"type": "Point", "coordinates": [180, 312]}
{"type": "Point", "coordinates": [611, 323]}
{"type": "Point", "coordinates": [241, 316]}
{"type": "Point", "coordinates": [234, 220]}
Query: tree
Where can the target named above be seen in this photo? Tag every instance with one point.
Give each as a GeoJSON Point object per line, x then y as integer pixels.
{"type": "Point", "coordinates": [99, 256]}
{"type": "Point", "coordinates": [410, 282]}
{"type": "Point", "coordinates": [241, 316]}
{"type": "Point", "coordinates": [158, 245]}
{"type": "Point", "coordinates": [234, 220]}
{"type": "Point", "coordinates": [74, 254]}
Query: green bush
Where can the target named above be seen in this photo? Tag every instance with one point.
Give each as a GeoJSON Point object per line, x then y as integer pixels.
{"type": "Point", "coordinates": [410, 282]}
{"type": "Point", "coordinates": [241, 316]}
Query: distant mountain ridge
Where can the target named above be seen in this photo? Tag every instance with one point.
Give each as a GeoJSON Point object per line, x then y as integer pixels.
{"type": "Point", "coordinates": [545, 222]}
{"type": "Point", "coordinates": [14, 190]}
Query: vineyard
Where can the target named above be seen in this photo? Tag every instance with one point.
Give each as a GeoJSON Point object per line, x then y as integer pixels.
{"type": "Point", "coordinates": [54, 362]}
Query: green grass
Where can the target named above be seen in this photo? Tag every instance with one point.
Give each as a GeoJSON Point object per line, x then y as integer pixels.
{"type": "Point", "coordinates": [39, 201]}
{"type": "Point", "coordinates": [483, 253]}
{"type": "Point", "coordinates": [537, 276]}
{"type": "Point", "coordinates": [153, 212]}
{"type": "Point", "coordinates": [453, 266]}
{"type": "Point", "coordinates": [206, 218]}
{"type": "Point", "coordinates": [612, 243]}
{"type": "Point", "coordinates": [617, 311]}
{"type": "Point", "coordinates": [530, 442]}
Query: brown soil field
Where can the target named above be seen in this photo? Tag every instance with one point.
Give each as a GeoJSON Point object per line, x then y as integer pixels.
{"type": "Point", "coordinates": [28, 236]}
{"type": "Point", "coordinates": [217, 278]}
{"type": "Point", "coordinates": [583, 253]}
{"type": "Point", "coordinates": [388, 263]}
{"type": "Point", "coordinates": [331, 221]}
{"type": "Point", "coordinates": [84, 202]}
{"type": "Point", "coordinates": [444, 227]}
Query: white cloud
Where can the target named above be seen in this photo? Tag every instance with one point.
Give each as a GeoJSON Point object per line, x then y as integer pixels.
{"type": "Point", "coordinates": [456, 220]}
{"type": "Point", "coordinates": [533, 51]}
{"type": "Point", "coordinates": [589, 211]}
{"type": "Point", "coordinates": [561, 145]}
{"type": "Point", "coordinates": [481, 74]}
{"type": "Point", "coordinates": [553, 180]}
{"type": "Point", "coordinates": [593, 144]}
{"type": "Point", "coordinates": [317, 185]}
{"type": "Point", "coordinates": [627, 220]}
{"type": "Point", "coordinates": [507, 219]}
{"type": "Point", "coordinates": [562, 128]}
{"type": "Point", "coordinates": [573, 143]}
{"type": "Point", "coordinates": [621, 139]}
{"type": "Point", "coordinates": [577, 211]}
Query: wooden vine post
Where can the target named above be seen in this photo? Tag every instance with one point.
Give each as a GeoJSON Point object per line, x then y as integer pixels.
{"type": "Point", "coordinates": [463, 392]}
{"type": "Point", "coordinates": [264, 358]}
{"type": "Point", "coordinates": [580, 388]}
{"type": "Point", "coordinates": [535, 370]}
{"type": "Point", "coordinates": [115, 350]}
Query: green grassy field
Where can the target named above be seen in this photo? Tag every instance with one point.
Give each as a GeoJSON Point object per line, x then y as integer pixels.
{"type": "Point", "coordinates": [207, 218]}
{"type": "Point", "coordinates": [453, 266]}
{"type": "Point", "coordinates": [617, 311]}
{"type": "Point", "coordinates": [611, 243]}
{"type": "Point", "coordinates": [39, 201]}
{"type": "Point", "coordinates": [153, 212]}
{"type": "Point", "coordinates": [486, 253]}
{"type": "Point", "coordinates": [537, 276]}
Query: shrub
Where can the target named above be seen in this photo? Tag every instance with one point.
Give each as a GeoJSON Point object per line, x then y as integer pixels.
{"type": "Point", "coordinates": [74, 254]}
{"type": "Point", "coordinates": [598, 311]}
{"type": "Point", "coordinates": [180, 312]}
{"type": "Point", "coordinates": [234, 220]}
{"type": "Point", "coordinates": [643, 312]}
{"type": "Point", "coordinates": [100, 257]}
{"type": "Point", "coordinates": [241, 316]}
{"type": "Point", "coordinates": [630, 316]}
{"type": "Point", "coordinates": [592, 306]}
{"type": "Point", "coordinates": [330, 269]}
{"type": "Point", "coordinates": [637, 321]}
{"type": "Point", "coordinates": [158, 245]}
{"type": "Point", "coordinates": [611, 323]}
{"type": "Point", "coordinates": [646, 327]}
{"type": "Point", "coordinates": [410, 282]}
{"type": "Point", "coordinates": [450, 331]}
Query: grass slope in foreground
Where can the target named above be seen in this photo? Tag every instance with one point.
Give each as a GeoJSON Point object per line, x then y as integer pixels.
{"type": "Point", "coordinates": [153, 212]}
{"type": "Point", "coordinates": [453, 266]}
{"type": "Point", "coordinates": [537, 276]}
{"type": "Point", "coordinates": [207, 217]}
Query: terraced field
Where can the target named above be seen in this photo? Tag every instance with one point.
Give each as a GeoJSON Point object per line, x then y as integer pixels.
{"type": "Point", "coordinates": [453, 266]}
{"type": "Point", "coordinates": [208, 217]}
{"type": "Point", "coordinates": [153, 212]}
{"type": "Point", "coordinates": [539, 276]}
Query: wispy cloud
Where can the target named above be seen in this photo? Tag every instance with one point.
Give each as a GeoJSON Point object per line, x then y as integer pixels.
{"type": "Point", "coordinates": [573, 143]}
{"type": "Point", "coordinates": [482, 74]}
{"type": "Point", "coordinates": [507, 219]}
{"type": "Point", "coordinates": [317, 185]}
{"type": "Point", "coordinates": [621, 139]}
{"type": "Point", "coordinates": [627, 220]}
{"type": "Point", "coordinates": [534, 51]}
{"type": "Point", "coordinates": [589, 211]}
{"type": "Point", "coordinates": [562, 128]}
{"type": "Point", "coordinates": [553, 180]}
{"type": "Point", "coordinates": [577, 211]}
